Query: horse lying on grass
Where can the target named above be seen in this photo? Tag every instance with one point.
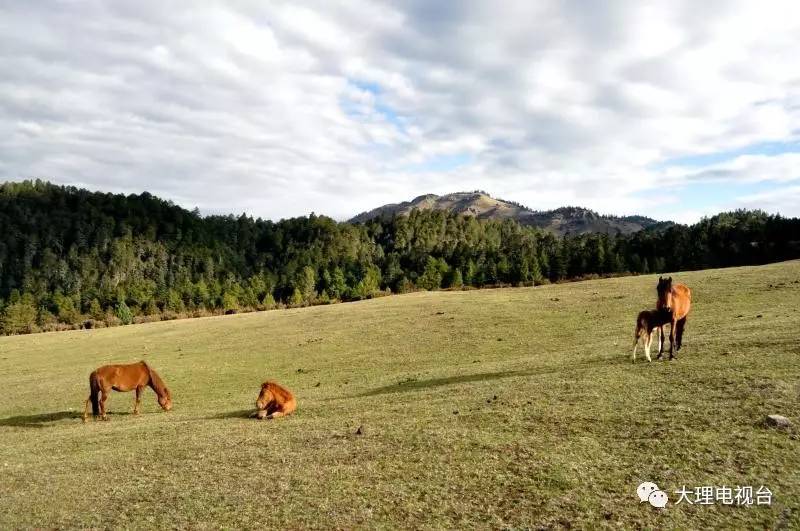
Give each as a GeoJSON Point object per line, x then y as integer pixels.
{"type": "Point", "coordinates": [274, 401]}
{"type": "Point", "coordinates": [134, 376]}
{"type": "Point", "coordinates": [646, 324]}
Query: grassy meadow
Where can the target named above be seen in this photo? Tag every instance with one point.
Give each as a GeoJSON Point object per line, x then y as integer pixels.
{"type": "Point", "coordinates": [507, 408]}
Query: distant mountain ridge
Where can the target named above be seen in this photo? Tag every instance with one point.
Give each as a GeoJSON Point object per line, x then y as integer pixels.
{"type": "Point", "coordinates": [564, 220]}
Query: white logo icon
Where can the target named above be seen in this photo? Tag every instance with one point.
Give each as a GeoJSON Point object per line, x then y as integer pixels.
{"type": "Point", "coordinates": [649, 492]}
{"type": "Point", "coordinates": [658, 498]}
{"type": "Point", "coordinates": [645, 489]}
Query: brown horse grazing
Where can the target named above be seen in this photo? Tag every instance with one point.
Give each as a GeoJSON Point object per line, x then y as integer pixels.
{"type": "Point", "coordinates": [274, 401]}
{"type": "Point", "coordinates": [134, 376]}
{"type": "Point", "coordinates": [677, 300]}
{"type": "Point", "coordinates": [646, 323]}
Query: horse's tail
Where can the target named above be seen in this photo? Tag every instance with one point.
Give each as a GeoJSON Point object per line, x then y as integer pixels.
{"type": "Point", "coordinates": [641, 326]}
{"type": "Point", "coordinates": [94, 391]}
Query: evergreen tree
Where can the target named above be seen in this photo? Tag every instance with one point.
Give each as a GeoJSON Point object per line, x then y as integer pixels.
{"type": "Point", "coordinates": [96, 311]}
{"type": "Point", "coordinates": [369, 284]}
{"type": "Point", "coordinates": [535, 271]}
{"type": "Point", "coordinates": [174, 302]}
{"type": "Point", "coordinates": [296, 298]}
{"type": "Point", "coordinates": [455, 279]}
{"type": "Point", "coordinates": [268, 302]}
{"type": "Point", "coordinates": [65, 309]}
{"type": "Point", "coordinates": [230, 303]}
{"type": "Point", "coordinates": [19, 317]}
{"type": "Point", "coordinates": [562, 260]}
{"type": "Point", "coordinates": [150, 308]}
{"type": "Point", "coordinates": [338, 284]}
{"type": "Point", "coordinates": [70, 252]}
{"type": "Point", "coordinates": [431, 277]}
{"type": "Point", "coordinates": [123, 313]}
{"type": "Point", "coordinates": [306, 280]}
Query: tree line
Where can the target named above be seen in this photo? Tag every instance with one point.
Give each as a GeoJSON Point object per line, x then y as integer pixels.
{"type": "Point", "coordinates": [70, 258]}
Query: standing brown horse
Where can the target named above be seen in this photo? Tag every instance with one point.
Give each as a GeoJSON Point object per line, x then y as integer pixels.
{"type": "Point", "coordinates": [677, 300]}
{"type": "Point", "coordinates": [134, 376]}
{"type": "Point", "coordinates": [274, 401]}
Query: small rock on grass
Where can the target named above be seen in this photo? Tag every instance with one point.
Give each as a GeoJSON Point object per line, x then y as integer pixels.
{"type": "Point", "coordinates": [777, 421]}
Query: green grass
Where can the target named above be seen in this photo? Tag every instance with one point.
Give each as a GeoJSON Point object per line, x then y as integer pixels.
{"type": "Point", "coordinates": [574, 427]}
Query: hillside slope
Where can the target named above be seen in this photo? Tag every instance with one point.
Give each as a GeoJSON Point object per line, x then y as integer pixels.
{"type": "Point", "coordinates": [573, 220]}
{"type": "Point", "coordinates": [508, 408]}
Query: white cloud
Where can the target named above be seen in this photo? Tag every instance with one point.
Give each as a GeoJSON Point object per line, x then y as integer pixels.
{"type": "Point", "coordinates": [785, 200]}
{"type": "Point", "coordinates": [742, 169]}
{"type": "Point", "coordinates": [279, 109]}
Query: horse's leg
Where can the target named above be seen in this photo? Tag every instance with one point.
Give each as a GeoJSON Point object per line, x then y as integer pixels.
{"type": "Point", "coordinates": [635, 344]}
{"type": "Point", "coordinates": [137, 401]}
{"type": "Point", "coordinates": [660, 342]}
{"type": "Point", "coordinates": [679, 335]}
{"type": "Point", "coordinates": [276, 414]}
{"type": "Point", "coordinates": [647, 342]}
{"type": "Point", "coordinates": [660, 338]}
{"type": "Point", "coordinates": [86, 409]}
{"type": "Point", "coordinates": [672, 329]}
{"type": "Point", "coordinates": [103, 396]}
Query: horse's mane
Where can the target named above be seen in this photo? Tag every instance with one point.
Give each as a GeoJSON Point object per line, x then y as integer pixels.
{"type": "Point", "coordinates": [281, 393]}
{"type": "Point", "coordinates": [155, 380]}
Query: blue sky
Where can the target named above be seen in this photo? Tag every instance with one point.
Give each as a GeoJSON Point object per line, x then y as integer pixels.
{"type": "Point", "coordinates": [378, 105]}
{"type": "Point", "coordinates": [279, 108]}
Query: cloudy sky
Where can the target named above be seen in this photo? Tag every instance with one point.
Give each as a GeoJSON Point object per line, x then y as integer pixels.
{"type": "Point", "coordinates": [672, 109]}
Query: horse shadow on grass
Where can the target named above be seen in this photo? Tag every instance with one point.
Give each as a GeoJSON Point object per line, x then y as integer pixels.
{"type": "Point", "coordinates": [236, 414]}
{"type": "Point", "coordinates": [417, 385]}
{"type": "Point", "coordinates": [45, 420]}
{"type": "Point", "coordinates": [41, 420]}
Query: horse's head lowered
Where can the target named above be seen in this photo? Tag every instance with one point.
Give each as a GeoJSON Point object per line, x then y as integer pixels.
{"type": "Point", "coordinates": [664, 290]}
{"type": "Point", "coordinates": [265, 396]}
{"type": "Point", "coordinates": [165, 400]}
{"type": "Point", "coordinates": [158, 385]}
